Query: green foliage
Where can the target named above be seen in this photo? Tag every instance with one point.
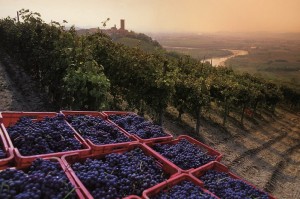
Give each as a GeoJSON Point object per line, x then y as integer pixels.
{"type": "Point", "coordinates": [84, 86]}
{"type": "Point", "coordinates": [291, 95]}
{"type": "Point", "coordinates": [54, 57]}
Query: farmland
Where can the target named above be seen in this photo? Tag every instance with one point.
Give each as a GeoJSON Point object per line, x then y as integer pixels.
{"type": "Point", "coordinates": [273, 56]}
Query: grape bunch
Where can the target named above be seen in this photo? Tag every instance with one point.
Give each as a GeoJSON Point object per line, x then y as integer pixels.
{"type": "Point", "coordinates": [223, 186]}
{"type": "Point", "coordinates": [119, 175]}
{"type": "Point", "coordinates": [184, 154]}
{"type": "Point", "coordinates": [184, 190]}
{"type": "Point", "coordinates": [45, 179]}
{"type": "Point", "coordinates": [49, 135]}
{"type": "Point", "coordinates": [137, 125]}
{"type": "Point", "coordinates": [97, 130]}
{"type": "Point", "coordinates": [2, 152]}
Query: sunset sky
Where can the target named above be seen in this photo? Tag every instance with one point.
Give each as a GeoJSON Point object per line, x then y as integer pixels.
{"type": "Point", "coordinates": [168, 15]}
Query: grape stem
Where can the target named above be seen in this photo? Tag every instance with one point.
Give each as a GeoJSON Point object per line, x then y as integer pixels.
{"type": "Point", "coordinates": [62, 138]}
{"type": "Point", "coordinates": [70, 192]}
{"type": "Point", "coordinates": [141, 164]}
{"type": "Point", "coordinates": [20, 137]}
{"type": "Point", "coordinates": [220, 180]}
{"type": "Point", "coordinates": [2, 185]}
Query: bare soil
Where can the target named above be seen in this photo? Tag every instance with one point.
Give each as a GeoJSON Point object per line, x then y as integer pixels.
{"type": "Point", "coordinates": [265, 151]}
{"type": "Point", "coordinates": [18, 91]}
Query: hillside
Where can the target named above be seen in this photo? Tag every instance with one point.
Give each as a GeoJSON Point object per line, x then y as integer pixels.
{"type": "Point", "coordinates": [137, 43]}
{"type": "Point", "coordinates": [130, 39]}
{"type": "Point", "coordinates": [264, 151]}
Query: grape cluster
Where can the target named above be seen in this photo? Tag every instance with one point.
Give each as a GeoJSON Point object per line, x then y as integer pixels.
{"type": "Point", "coordinates": [44, 180]}
{"type": "Point", "coordinates": [184, 190]}
{"type": "Point", "coordinates": [137, 125]}
{"type": "Point", "coordinates": [184, 154]}
{"type": "Point", "coordinates": [222, 185]}
{"type": "Point", "coordinates": [49, 135]}
{"type": "Point", "coordinates": [97, 130]}
{"type": "Point", "coordinates": [119, 175]}
{"type": "Point", "coordinates": [2, 153]}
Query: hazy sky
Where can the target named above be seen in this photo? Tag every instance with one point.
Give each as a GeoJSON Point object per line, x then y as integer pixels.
{"type": "Point", "coordinates": [168, 15]}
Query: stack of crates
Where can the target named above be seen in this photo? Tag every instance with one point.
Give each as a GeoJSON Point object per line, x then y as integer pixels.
{"type": "Point", "coordinates": [98, 151]}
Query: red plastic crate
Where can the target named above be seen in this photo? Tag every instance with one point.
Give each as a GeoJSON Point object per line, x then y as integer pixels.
{"type": "Point", "coordinates": [5, 162]}
{"type": "Point", "coordinates": [10, 118]}
{"type": "Point", "coordinates": [202, 146]}
{"type": "Point", "coordinates": [72, 158]}
{"type": "Point", "coordinates": [9, 151]}
{"type": "Point", "coordinates": [54, 159]}
{"type": "Point", "coordinates": [105, 147]}
{"type": "Point", "coordinates": [217, 166]}
{"type": "Point", "coordinates": [91, 113]}
{"type": "Point", "coordinates": [132, 197]}
{"type": "Point", "coordinates": [108, 113]}
{"type": "Point", "coordinates": [172, 182]}
{"type": "Point", "coordinates": [158, 139]}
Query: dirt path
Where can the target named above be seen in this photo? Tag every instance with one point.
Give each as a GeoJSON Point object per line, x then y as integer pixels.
{"type": "Point", "coordinates": [265, 152]}
{"type": "Point", "coordinates": [17, 90]}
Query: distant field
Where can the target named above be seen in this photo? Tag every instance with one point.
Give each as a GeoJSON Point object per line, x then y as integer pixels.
{"type": "Point", "coordinates": [275, 56]}
{"type": "Point", "coordinates": [277, 61]}
{"type": "Point", "coordinates": [199, 53]}
{"type": "Point", "coordinates": [200, 46]}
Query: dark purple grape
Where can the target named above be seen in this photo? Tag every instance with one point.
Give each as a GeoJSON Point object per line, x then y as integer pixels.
{"type": "Point", "coordinates": [2, 153]}
{"type": "Point", "coordinates": [184, 190]}
{"type": "Point", "coordinates": [45, 179]}
{"type": "Point", "coordinates": [224, 186]}
{"type": "Point", "coordinates": [137, 125]}
{"type": "Point", "coordinates": [49, 135]}
{"type": "Point", "coordinates": [184, 154]}
{"type": "Point", "coordinates": [97, 130]}
{"type": "Point", "coordinates": [119, 175]}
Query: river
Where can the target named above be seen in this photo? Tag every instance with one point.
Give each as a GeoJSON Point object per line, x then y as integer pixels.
{"type": "Point", "coordinates": [216, 61]}
{"type": "Point", "coordinates": [220, 61]}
